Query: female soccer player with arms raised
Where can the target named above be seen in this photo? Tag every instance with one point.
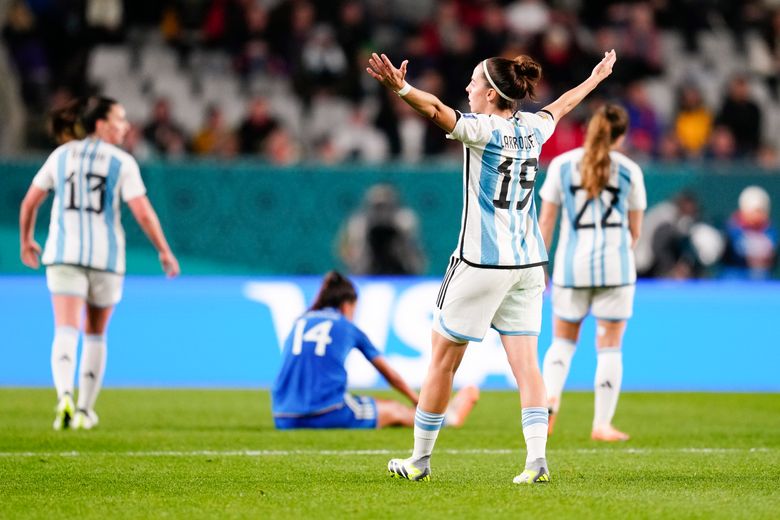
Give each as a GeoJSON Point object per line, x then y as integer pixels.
{"type": "Point", "coordinates": [85, 249]}
{"type": "Point", "coordinates": [495, 276]}
{"type": "Point", "coordinates": [602, 194]}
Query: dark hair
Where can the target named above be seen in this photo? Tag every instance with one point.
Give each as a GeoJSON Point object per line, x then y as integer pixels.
{"type": "Point", "coordinates": [335, 290]}
{"type": "Point", "coordinates": [79, 118]}
{"type": "Point", "coordinates": [605, 127]}
{"type": "Point", "coordinates": [516, 78]}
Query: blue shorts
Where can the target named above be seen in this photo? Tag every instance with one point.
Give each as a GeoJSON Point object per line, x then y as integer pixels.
{"type": "Point", "coordinates": [357, 412]}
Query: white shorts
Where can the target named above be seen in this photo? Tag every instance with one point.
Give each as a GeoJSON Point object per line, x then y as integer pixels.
{"type": "Point", "coordinates": [605, 303]}
{"type": "Point", "coordinates": [472, 299]}
{"type": "Point", "coordinates": [98, 288]}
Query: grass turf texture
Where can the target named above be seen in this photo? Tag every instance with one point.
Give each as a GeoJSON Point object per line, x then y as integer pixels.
{"type": "Point", "coordinates": [205, 453]}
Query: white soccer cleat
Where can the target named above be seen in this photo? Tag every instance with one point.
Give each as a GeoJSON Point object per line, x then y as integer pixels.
{"type": "Point", "coordinates": [85, 420]}
{"type": "Point", "coordinates": [418, 471]}
{"type": "Point", "coordinates": [534, 473]}
{"type": "Point", "coordinates": [64, 413]}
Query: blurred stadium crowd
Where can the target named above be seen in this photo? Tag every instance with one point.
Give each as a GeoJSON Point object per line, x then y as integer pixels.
{"type": "Point", "coordinates": [283, 80]}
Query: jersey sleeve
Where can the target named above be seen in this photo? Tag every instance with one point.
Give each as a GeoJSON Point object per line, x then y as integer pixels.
{"type": "Point", "coordinates": [542, 121]}
{"type": "Point", "coordinates": [472, 129]}
{"type": "Point", "coordinates": [637, 196]}
{"type": "Point", "coordinates": [46, 176]}
{"type": "Point", "coordinates": [132, 183]}
{"type": "Point", "coordinates": [551, 189]}
{"type": "Point", "coordinates": [364, 345]}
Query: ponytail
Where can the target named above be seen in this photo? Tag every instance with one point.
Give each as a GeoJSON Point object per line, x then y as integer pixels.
{"type": "Point", "coordinates": [336, 290]}
{"type": "Point", "coordinates": [65, 122]}
{"type": "Point", "coordinates": [605, 127]}
{"type": "Point", "coordinates": [79, 118]}
{"type": "Point", "coordinates": [513, 79]}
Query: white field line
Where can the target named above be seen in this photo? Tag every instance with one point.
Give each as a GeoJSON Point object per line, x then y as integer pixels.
{"type": "Point", "coordinates": [342, 453]}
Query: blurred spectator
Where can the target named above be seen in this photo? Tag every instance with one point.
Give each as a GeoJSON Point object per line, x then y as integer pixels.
{"type": "Point", "coordinates": [136, 145]}
{"type": "Point", "coordinates": [741, 115]}
{"type": "Point", "coordinates": [644, 130]}
{"type": "Point", "coordinates": [163, 133]}
{"type": "Point", "coordinates": [214, 138]}
{"type": "Point", "coordinates": [752, 239]}
{"type": "Point", "coordinates": [22, 35]}
{"type": "Point", "coordinates": [491, 35]}
{"type": "Point", "coordinates": [381, 237]}
{"type": "Point", "coordinates": [640, 40]}
{"type": "Point", "coordinates": [527, 18]}
{"type": "Point", "coordinates": [280, 149]}
{"type": "Point", "coordinates": [256, 127]}
{"type": "Point", "coordinates": [323, 63]}
{"type": "Point", "coordinates": [722, 146]}
{"type": "Point", "coordinates": [560, 57]}
{"type": "Point", "coordinates": [359, 141]}
{"type": "Point", "coordinates": [693, 122]}
{"type": "Point", "coordinates": [669, 149]}
{"type": "Point", "coordinates": [674, 242]}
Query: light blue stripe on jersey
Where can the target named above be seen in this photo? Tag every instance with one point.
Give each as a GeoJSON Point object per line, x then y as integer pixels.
{"type": "Point", "coordinates": [603, 243]}
{"type": "Point", "coordinates": [114, 165]}
{"type": "Point", "coordinates": [624, 184]}
{"type": "Point", "coordinates": [89, 213]}
{"type": "Point", "coordinates": [571, 209]}
{"type": "Point", "coordinates": [487, 188]}
{"type": "Point", "coordinates": [593, 248]}
{"type": "Point", "coordinates": [537, 233]}
{"type": "Point", "coordinates": [82, 189]}
{"type": "Point", "coordinates": [523, 222]}
{"type": "Point", "coordinates": [515, 215]}
{"type": "Point", "coordinates": [61, 162]}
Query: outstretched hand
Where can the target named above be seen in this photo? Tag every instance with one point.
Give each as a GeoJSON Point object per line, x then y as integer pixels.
{"type": "Point", "coordinates": [382, 70]}
{"type": "Point", "coordinates": [604, 67]}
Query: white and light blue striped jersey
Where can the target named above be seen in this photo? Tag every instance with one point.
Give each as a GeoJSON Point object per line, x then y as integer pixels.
{"type": "Point", "coordinates": [88, 178]}
{"type": "Point", "coordinates": [501, 156]}
{"type": "Point", "coordinates": [594, 242]}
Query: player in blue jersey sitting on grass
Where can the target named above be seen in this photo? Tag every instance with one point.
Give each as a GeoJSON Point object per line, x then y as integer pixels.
{"type": "Point", "coordinates": [311, 388]}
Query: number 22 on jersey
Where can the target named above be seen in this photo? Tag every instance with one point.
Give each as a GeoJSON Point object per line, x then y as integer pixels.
{"type": "Point", "coordinates": [319, 334]}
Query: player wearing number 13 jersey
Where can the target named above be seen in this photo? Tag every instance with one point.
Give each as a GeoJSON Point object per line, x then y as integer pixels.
{"type": "Point", "coordinates": [601, 194]}
{"type": "Point", "coordinates": [85, 249]}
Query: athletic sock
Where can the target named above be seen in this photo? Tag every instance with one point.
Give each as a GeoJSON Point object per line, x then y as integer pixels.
{"type": "Point", "coordinates": [535, 432]}
{"type": "Point", "coordinates": [91, 368]}
{"type": "Point", "coordinates": [63, 359]}
{"type": "Point", "coordinates": [609, 375]}
{"type": "Point", "coordinates": [555, 369]}
{"type": "Point", "coordinates": [426, 430]}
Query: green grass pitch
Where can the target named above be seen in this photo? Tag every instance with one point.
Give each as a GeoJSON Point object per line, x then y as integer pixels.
{"type": "Point", "coordinates": [214, 454]}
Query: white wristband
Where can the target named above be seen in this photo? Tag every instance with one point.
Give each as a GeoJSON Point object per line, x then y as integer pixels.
{"type": "Point", "coordinates": [404, 90]}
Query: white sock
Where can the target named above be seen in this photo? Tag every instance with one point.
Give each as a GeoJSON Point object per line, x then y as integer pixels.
{"type": "Point", "coordinates": [555, 369]}
{"type": "Point", "coordinates": [91, 368]}
{"type": "Point", "coordinates": [63, 359]}
{"type": "Point", "coordinates": [535, 432]}
{"type": "Point", "coordinates": [426, 430]}
{"type": "Point", "coordinates": [609, 375]}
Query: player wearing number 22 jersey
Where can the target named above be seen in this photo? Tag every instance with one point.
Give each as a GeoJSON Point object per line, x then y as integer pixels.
{"type": "Point", "coordinates": [594, 245]}
{"type": "Point", "coordinates": [600, 195]}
